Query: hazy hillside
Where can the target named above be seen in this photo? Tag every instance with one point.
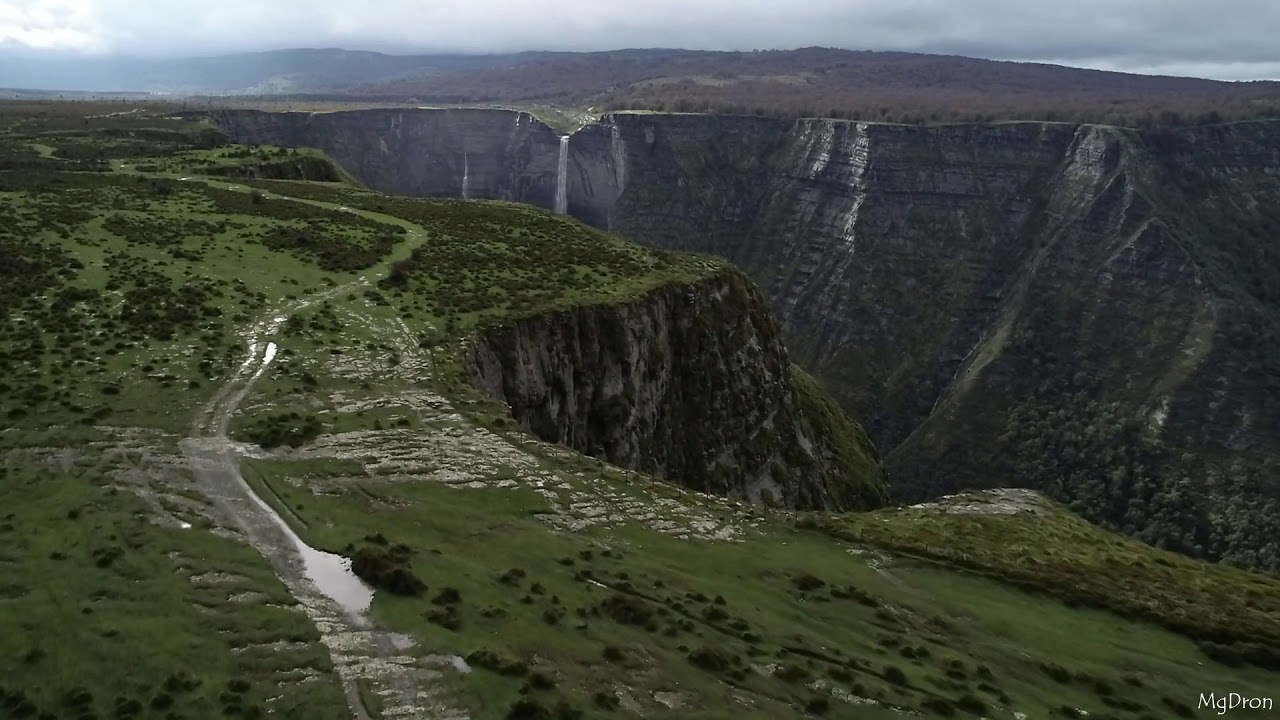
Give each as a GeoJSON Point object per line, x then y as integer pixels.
{"type": "Point", "coordinates": [895, 86]}
{"type": "Point", "coordinates": [281, 71]}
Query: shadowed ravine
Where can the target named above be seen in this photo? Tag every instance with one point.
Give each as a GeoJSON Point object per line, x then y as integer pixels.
{"type": "Point", "coordinates": [323, 583]}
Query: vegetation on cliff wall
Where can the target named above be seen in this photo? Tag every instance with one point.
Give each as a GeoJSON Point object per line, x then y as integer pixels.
{"type": "Point", "coordinates": [1148, 409]}
{"type": "Point", "coordinates": [840, 440]}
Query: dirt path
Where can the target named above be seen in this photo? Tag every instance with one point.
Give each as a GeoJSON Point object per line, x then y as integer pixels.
{"type": "Point", "coordinates": [367, 659]}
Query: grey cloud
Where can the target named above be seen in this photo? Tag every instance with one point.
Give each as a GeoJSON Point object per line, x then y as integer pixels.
{"type": "Point", "coordinates": [1223, 38]}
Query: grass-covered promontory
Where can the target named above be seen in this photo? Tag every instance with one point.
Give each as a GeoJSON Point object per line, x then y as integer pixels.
{"type": "Point", "coordinates": [484, 268]}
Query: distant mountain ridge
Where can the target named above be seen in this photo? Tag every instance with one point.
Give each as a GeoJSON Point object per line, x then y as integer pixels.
{"type": "Point", "coordinates": [271, 72]}
{"type": "Point", "coordinates": [893, 86]}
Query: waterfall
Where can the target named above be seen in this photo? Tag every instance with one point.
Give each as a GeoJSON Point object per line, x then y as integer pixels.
{"type": "Point", "coordinates": [619, 151]}
{"type": "Point", "coordinates": [562, 177]}
{"type": "Point", "coordinates": [466, 178]}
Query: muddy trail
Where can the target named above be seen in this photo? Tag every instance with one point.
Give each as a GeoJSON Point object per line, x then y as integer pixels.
{"type": "Point", "coordinates": [367, 659]}
{"type": "Point", "coordinates": [448, 449]}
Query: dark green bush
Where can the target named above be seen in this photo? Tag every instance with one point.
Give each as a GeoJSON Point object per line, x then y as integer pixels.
{"type": "Point", "coordinates": [387, 569]}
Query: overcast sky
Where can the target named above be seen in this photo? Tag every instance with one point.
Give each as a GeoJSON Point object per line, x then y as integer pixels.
{"type": "Point", "coordinates": [1226, 39]}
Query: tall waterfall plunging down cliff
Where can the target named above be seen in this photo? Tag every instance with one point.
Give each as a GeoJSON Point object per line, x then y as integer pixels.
{"type": "Point", "coordinates": [562, 177]}
{"type": "Point", "coordinates": [466, 177]}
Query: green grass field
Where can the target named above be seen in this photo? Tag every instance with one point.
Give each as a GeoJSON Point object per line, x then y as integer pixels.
{"type": "Point", "coordinates": [107, 612]}
{"type": "Point", "coordinates": [784, 615]}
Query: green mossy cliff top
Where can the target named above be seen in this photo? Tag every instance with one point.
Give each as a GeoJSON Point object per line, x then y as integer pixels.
{"type": "Point", "coordinates": [487, 261]}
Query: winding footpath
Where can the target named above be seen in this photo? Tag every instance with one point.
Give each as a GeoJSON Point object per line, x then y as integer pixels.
{"type": "Point", "coordinates": [322, 583]}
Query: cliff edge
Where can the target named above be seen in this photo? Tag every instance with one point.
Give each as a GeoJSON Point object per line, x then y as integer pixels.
{"type": "Point", "coordinates": [666, 363]}
{"type": "Point", "coordinates": [689, 382]}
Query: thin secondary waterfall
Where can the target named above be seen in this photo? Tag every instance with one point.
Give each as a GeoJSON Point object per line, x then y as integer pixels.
{"type": "Point", "coordinates": [466, 178]}
{"type": "Point", "coordinates": [562, 177]}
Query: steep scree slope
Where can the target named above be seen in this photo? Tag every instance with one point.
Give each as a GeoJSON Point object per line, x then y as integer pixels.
{"type": "Point", "coordinates": [1084, 309]}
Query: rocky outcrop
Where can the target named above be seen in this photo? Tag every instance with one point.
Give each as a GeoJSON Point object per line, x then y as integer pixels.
{"type": "Point", "coordinates": [690, 383]}
{"type": "Point", "coordinates": [1087, 310]}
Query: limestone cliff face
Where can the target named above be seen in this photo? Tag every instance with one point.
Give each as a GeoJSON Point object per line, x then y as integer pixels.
{"type": "Point", "coordinates": [493, 154]}
{"type": "Point", "coordinates": [905, 264]}
{"type": "Point", "coordinates": [690, 383]}
{"type": "Point", "coordinates": [1091, 311]}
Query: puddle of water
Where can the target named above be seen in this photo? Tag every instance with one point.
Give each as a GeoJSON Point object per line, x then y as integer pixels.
{"type": "Point", "coordinates": [331, 573]}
